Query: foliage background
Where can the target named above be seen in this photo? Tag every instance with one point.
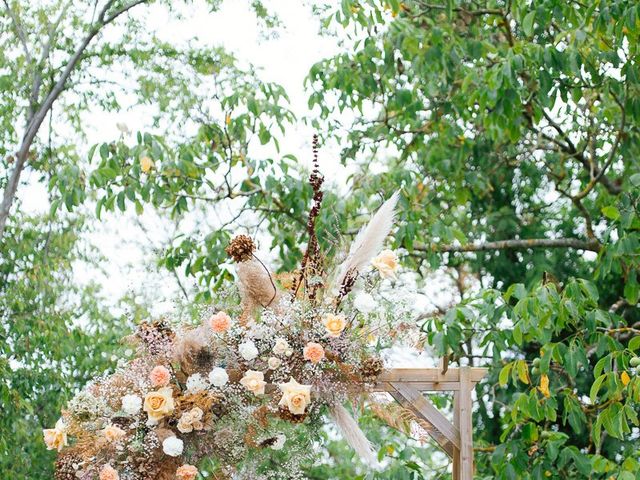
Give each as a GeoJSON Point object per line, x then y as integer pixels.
{"type": "Point", "coordinates": [511, 129]}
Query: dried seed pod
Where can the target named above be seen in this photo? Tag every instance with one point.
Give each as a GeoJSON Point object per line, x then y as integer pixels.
{"type": "Point", "coordinates": [241, 248]}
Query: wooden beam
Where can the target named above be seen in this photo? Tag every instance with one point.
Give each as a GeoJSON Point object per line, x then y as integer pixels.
{"type": "Point", "coordinates": [421, 386]}
{"type": "Point", "coordinates": [409, 375]}
{"type": "Point", "coordinates": [440, 439]}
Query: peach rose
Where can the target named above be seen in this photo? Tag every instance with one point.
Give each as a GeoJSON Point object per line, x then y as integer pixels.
{"type": "Point", "coordinates": [159, 404]}
{"type": "Point", "coordinates": [386, 263]}
{"type": "Point", "coordinates": [109, 473]}
{"type": "Point", "coordinates": [254, 382]}
{"type": "Point", "coordinates": [56, 438]}
{"type": "Point", "coordinates": [220, 322]}
{"type": "Point", "coordinates": [313, 352]}
{"type": "Point", "coordinates": [334, 324]}
{"type": "Point", "coordinates": [186, 472]}
{"type": "Point", "coordinates": [160, 376]}
{"type": "Point", "coordinates": [295, 397]}
{"type": "Point", "coordinates": [113, 433]}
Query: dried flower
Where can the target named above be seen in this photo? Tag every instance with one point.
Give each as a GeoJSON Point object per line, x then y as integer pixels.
{"type": "Point", "coordinates": [56, 438]}
{"type": "Point", "coordinates": [218, 377]}
{"type": "Point", "coordinates": [109, 473]}
{"type": "Point", "coordinates": [281, 438]}
{"type": "Point", "coordinates": [220, 322]}
{"type": "Point", "coordinates": [295, 396]}
{"type": "Point", "coordinates": [131, 404]}
{"type": "Point", "coordinates": [386, 263]}
{"type": "Point", "coordinates": [160, 376]}
{"type": "Point", "coordinates": [159, 404]}
{"type": "Point", "coordinates": [241, 248]}
{"type": "Point", "coordinates": [254, 382]}
{"type": "Point", "coordinates": [248, 350]}
{"type": "Point", "coordinates": [186, 472]}
{"type": "Point", "coordinates": [334, 324]}
{"type": "Point", "coordinates": [113, 433]}
{"type": "Point", "coordinates": [173, 446]}
{"type": "Point", "coordinates": [313, 352]}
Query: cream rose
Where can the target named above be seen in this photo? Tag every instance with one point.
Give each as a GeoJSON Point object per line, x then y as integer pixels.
{"type": "Point", "coordinates": [254, 382]}
{"type": "Point", "coordinates": [56, 438]}
{"type": "Point", "coordinates": [159, 404]}
{"type": "Point", "coordinates": [113, 433]}
{"type": "Point", "coordinates": [191, 420]}
{"type": "Point", "coordinates": [274, 363]}
{"type": "Point", "coordinates": [146, 164]}
{"type": "Point", "coordinates": [386, 263]}
{"type": "Point", "coordinates": [334, 324]}
{"type": "Point", "coordinates": [281, 347]}
{"type": "Point", "coordinates": [295, 396]}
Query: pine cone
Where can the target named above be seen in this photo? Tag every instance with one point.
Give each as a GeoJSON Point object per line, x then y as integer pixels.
{"type": "Point", "coordinates": [66, 467]}
{"type": "Point", "coordinates": [285, 414]}
{"type": "Point", "coordinates": [371, 368]}
{"type": "Point", "coordinates": [241, 248]}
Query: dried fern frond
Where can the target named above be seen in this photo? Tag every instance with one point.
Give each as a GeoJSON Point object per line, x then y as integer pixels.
{"type": "Point", "coordinates": [402, 419]}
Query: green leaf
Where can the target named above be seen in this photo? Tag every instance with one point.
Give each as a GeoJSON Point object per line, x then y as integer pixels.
{"type": "Point", "coordinates": [503, 377]}
{"type": "Point", "coordinates": [527, 23]}
{"type": "Point", "coordinates": [595, 388]}
{"type": "Point", "coordinates": [611, 212]}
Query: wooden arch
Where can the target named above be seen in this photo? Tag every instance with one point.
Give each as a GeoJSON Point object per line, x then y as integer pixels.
{"type": "Point", "coordinates": [407, 385]}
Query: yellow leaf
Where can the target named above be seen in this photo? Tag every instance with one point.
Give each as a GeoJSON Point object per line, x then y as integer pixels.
{"type": "Point", "coordinates": [227, 119]}
{"type": "Point", "coordinates": [523, 371]}
{"type": "Point", "coordinates": [146, 164]}
{"type": "Point", "coordinates": [544, 386]}
{"type": "Point", "coordinates": [624, 378]}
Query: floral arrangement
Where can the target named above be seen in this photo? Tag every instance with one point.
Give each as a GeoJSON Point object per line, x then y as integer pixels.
{"type": "Point", "coordinates": [249, 387]}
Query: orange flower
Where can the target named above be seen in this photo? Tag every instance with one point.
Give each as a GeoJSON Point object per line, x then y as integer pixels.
{"type": "Point", "coordinates": [160, 376]}
{"type": "Point", "coordinates": [220, 322]}
{"type": "Point", "coordinates": [186, 472]}
{"type": "Point", "coordinates": [56, 438]}
{"type": "Point", "coordinates": [313, 352]}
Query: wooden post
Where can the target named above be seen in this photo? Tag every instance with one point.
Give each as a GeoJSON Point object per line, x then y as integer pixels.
{"type": "Point", "coordinates": [456, 423]}
{"type": "Point", "coordinates": [466, 425]}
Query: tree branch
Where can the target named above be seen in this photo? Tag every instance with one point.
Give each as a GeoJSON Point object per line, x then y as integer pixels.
{"type": "Point", "coordinates": [37, 119]}
{"type": "Point", "coordinates": [515, 244]}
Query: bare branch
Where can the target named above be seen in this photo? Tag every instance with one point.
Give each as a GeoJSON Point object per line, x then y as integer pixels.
{"type": "Point", "coordinates": [19, 30]}
{"type": "Point", "coordinates": [515, 244]}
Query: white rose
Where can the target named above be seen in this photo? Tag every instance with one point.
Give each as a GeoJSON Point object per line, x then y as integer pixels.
{"type": "Point", "coordinates": [173, 446]}
{"type": "Point", "coordinates": [364, 302]}
{"type": "Point", "coordinates": [218, 377]}
{"type": "Point", "coordinates": [248, 350]}
{"type": "Point", "coordinates": [274, 362]}
{"type": "Point", "coordinates": [281, 347]}
{"type": "Point", "coordinates": [131, 404]}
{"type": "Point", "coordinates": [195, 383]}
{"type": "Point", "coordinates": [279, 443]}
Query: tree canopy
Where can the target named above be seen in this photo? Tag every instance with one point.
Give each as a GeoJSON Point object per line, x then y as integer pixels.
{"type": "Point", "coordinates": [509, 127]}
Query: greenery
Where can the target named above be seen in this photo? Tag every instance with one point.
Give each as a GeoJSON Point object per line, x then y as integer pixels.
{"type": "Point", "coordinates": [510, 127]}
